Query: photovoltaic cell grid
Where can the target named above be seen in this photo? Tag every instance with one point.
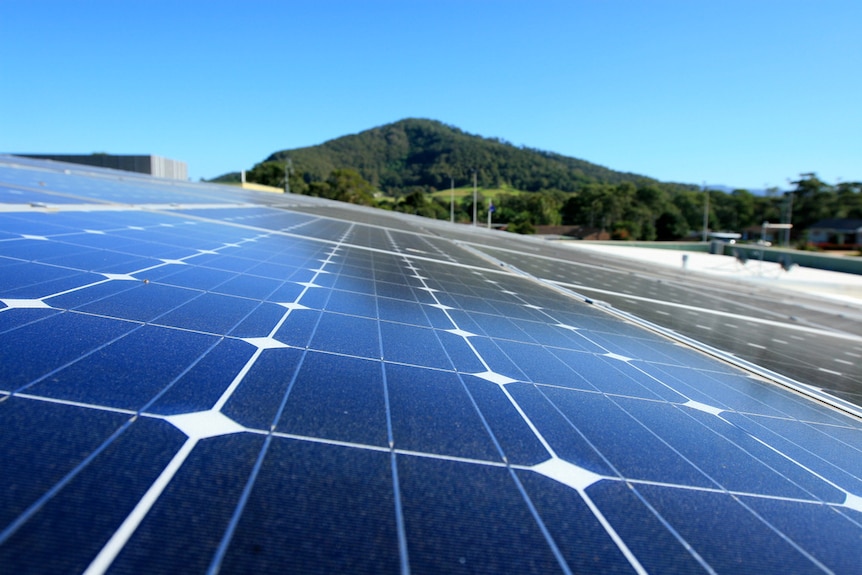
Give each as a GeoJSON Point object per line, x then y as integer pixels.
{"type": "Point", "coordinates": [203, 391]}
{"type": "Point", "coordinates": [794, 337]}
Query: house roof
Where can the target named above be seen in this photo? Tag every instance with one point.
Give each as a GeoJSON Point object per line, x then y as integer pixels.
{"type": "Point", "coordinates": [844, 224]}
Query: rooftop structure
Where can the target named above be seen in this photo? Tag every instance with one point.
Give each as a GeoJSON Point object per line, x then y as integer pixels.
{"type": "Point", "coordinates": [143, 164]}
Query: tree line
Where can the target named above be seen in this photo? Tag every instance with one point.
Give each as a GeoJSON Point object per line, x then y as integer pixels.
{"type": "Point", "coordinates": [625, 210]}
{"type": "Point", "coordinates": [400, 165]}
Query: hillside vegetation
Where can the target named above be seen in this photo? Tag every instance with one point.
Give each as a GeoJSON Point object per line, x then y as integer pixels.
{"type": "Point", "coordinates": [427, 153]}
{"type": "Point", "coordinates": [401, 165]}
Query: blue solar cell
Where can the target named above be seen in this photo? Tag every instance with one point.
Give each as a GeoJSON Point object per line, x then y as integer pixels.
{"type": "Point", "coordinates": [499, 325]}
{"type": "Point", "coordinates": [66, 531]}
{"type": "Point", "coordinates": [210, 482]}
{"type": "Point", "coordinates": [101, 261]}
{"type": "Point", "coordinates": [539, 365]}
{"type": "Point", "coordinates": [35, 224]}
{"type": "Point", "coordinates": [705, 518]}
{"type": "Point", "coordinates": [94, 239]}
{"type": "Point", "coordinates": [87, 294]}
{"type": "Point", "coordinates": [631, 346]}
{"type": "Point", "coordinates": [433, 413]}
{"type": "Point", "coordinates": [299, 327]}
{"type": "Point", "coordinates": [28, 249]}
{"type": "Point", "coordinates": [443, 319]}
{"type": "Point", "coordinates": [337, 398]}
{"type": "Point", "coordinates": [257, 400]}
{"type": "Point", "coordinates": [42, 442]}
{"type": "Point", "coordinates": [644, 532]}
{"type": "Point", "coordinates": [340, 502]}
{"type": "Point", "coordinates": [350, 283]}
{"type": "Point", "coordinates": [197, 277]}
{"type": "Point", "coordinates": [566, 441]}
{"type": "Point", "coordinates": [347, 335]}
{"type": "Point", "coordinates": [20, 277]}
{"type": "Point", "coordinates": [413, 345]}
{"type": "Point", "coordinates": [36, 349]}
{"type": "Point", "coordinates": [62, 282]}
{"type": "Point", "coordinates": [584, 543]}
{"type": "Point", "coordinates": [147, 249]}
{"type": "Point", "coordinates": [260, 322]}
{"type": "Point", "coordinates": [10, 321]}
{"type": "Point", "coordinates": [202, 385]}
{"type": "Point", "coordinates": [396, 291]}
{"type": "Point", "coordinates": [399, 310]}
{"type": "Point", "coordinates": [493, 355]}
{"type": "Point", "coordinates": [788, 469]}
{"type": "Point", "coordinates": [709, 450]}
{"type": "Point", "coordinates": [12, 196]}
{"type": "Point", "coordinates": [468, 303]}
{"type": "Point", "coordinates": [614, 376]}
{"type": "Point", "coordinates": [740, 392]}
{"type": "Point", "coordinates": [677, 354]}
{"type": "Point", "coordinates": [8, 264]}
{"type": "Point", "coordinates": [516, 439]}
{"type": "Point", "coordinates": [835, 543]}
{"type": "Point", "coordinates": [453, 520]}
{"type": "Point", "coordinates": [254, 287]}
{"type": "Point", "coordinates": [551, 335]}
{"type": "Point", "coordinates": [313, 297]}
{"type": "Point", "coordinates": [352, 303]}
{"type": "Point", "coordinates": [129, 372]}
{"type": "Point", "coordinates": [810, 446]}
{"type": "Point", "coordinates": [144, 302]}
{"type": "Point", "coordinates": [287, 292]}
{"type": "Point", "coordinates": [228, 263]}
{"type": "Point", "coordinates": [610, 428]}
{"type": "Point", "coordinates": [209, 312]}
{"type": "Point", "coordinates": [517, 311]}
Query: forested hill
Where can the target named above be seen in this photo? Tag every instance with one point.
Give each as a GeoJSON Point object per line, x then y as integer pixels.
{"type": "Point", "coordinates": [425, 153]}
{"type": "Point", "coordinates": [410, 158]}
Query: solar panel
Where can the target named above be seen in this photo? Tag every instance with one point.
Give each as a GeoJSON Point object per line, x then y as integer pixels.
{"type": "Point", "coordinates": [812, 340]}
{"type": "Point", "coordinates": [210, 385]}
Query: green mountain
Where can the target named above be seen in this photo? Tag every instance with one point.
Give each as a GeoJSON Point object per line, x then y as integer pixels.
{"type": "Point", "coordinates": [425, 153]}
{"type": "Point", "coordinates": [409, 158]}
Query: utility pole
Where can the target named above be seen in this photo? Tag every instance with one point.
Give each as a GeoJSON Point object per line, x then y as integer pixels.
{"type": "Point", "coordinates": [475, 197]}
{"type": "Point", "coordinates": [452, 200]}
{"type": "Point", "coordinates": [789, 218]}
{"type": "Point", "coordinates": [705, 212]}
{"type": "Point", "coordinates": [288, 168]}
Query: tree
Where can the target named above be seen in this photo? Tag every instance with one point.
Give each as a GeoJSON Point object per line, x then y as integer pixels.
{"type": "Point", "coordinates": [420, 203]}
{"type": "Point", "coordinates": [671, 225]}
{"type": "Point", "coordinates": [744, 209]}
{"type": "Point", "coordinates": [521, 224]}
{"type": "Point", "coordinates": [348, 186]}
{"type": "Point", "coordinates": [690, 205]}
{"type": "Point", "coordinates": [813, 200]}
{"type": "Point", "coordinates": [849, 200]}
{"type": "Point", "coordinates": [267, 174]}
{"type": "Point", "coordinates": [272, 174]}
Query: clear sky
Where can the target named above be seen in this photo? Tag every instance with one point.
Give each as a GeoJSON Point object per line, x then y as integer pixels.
{"type": "Point", "coordinates": [737, 92]}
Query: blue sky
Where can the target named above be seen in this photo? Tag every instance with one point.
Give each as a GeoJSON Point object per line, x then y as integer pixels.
{"type": "Point", "coordinates": [742, 93]}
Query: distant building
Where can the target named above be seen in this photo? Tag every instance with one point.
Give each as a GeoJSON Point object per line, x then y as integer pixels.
{"type": "Point", "coordinates": [836, 232]}
{"type": "Point", "coordinates": [152, 165]}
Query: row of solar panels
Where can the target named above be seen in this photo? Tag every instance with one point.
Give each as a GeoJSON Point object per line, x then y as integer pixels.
{"type": "Point", "coordinates": [233, 387]}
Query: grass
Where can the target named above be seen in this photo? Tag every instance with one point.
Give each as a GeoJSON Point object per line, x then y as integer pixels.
{"type": "Point", "coordinates": [487, 193]}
